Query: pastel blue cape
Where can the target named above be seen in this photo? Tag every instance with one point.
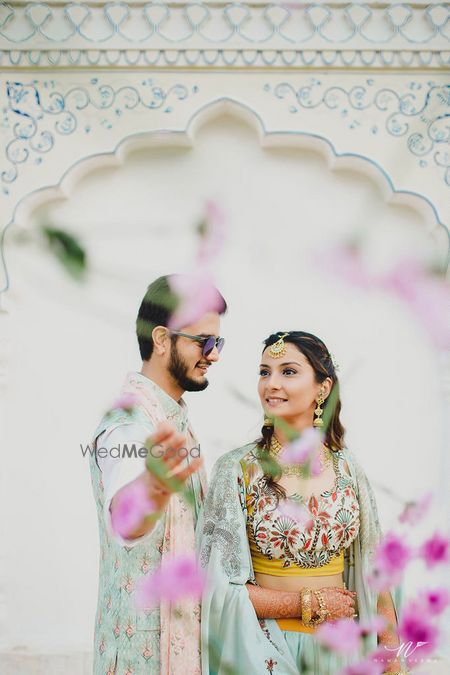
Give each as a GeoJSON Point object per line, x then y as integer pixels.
{"type": "Point", "coordinates": [233, 640]}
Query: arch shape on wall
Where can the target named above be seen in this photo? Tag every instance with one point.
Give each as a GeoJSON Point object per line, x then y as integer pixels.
{"type": "Point", "coordinates": [186, 137]}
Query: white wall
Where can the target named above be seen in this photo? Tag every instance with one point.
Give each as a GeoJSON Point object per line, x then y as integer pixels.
{"type": "Point", "coordinates": [70, 345]}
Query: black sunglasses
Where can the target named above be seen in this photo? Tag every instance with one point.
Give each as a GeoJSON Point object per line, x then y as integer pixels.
{"type": "Point", "coordinates": [208, 341]}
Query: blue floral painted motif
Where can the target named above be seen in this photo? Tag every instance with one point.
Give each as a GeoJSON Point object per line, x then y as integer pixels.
{"type": "Point", "coordinates": [29, 105]}
{"type": "Point", "coordinates": [429, 110]}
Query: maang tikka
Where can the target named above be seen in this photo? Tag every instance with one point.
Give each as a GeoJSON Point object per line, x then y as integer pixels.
{"type": "Point", "coordinates": [278, 348]}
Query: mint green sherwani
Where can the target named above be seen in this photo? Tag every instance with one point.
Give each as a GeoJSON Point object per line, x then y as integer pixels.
{"type": "Point", "coordinates": [129, 641]}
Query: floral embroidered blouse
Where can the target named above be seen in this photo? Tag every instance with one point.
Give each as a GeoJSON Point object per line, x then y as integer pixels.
{"type": "Point", "coordinates": [333, 525]}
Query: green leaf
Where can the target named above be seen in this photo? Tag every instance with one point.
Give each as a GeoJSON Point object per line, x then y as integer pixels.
{"type": "Point", "coordinates": [158, 468]}
{"type": "Point", "coordinates": [331, 403]}
{"type": "Point", "coordinates": [202, 228]}
{"type": "Point", "coordinates": [67, 249]}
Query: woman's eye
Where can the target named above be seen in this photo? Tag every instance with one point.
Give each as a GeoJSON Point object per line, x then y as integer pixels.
{"type": "Point", "coordinates": [263, 372]}
{"type": "Point", "coordinates": [288, 371]}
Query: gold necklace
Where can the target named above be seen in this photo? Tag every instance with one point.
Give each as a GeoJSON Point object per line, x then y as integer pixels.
{"type": "Point", "coordinates": [299, 469]}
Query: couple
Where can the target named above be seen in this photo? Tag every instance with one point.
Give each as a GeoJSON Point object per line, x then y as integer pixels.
{"type": "Point", "coordinates": [271, 577]}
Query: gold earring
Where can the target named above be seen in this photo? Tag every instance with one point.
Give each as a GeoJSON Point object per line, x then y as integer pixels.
{"type": "Point", "coordinates": [268, 422]}
{"type": "Point", "coordinates": [318, 421]}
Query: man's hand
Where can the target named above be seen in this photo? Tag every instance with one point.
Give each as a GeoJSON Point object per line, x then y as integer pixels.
{"type": "Point", "coordinates": [161, 484]}
{"type": "Point", "coordinates": [169, 443]}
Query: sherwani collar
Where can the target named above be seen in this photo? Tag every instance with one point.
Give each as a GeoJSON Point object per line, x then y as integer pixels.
{"type": "Point", "coordinates": [175, 411]}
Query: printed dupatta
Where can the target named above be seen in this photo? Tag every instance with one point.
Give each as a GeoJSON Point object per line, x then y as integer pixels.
{"type": "Point", "coordinates": [233, 639]}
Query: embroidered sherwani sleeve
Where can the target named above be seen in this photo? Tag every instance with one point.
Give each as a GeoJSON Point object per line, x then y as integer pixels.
{"type": "Point", "coordinates": [118, 471]}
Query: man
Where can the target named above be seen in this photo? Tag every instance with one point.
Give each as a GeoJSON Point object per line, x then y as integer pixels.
{"type": "Point", "coordinates": [129, 641]}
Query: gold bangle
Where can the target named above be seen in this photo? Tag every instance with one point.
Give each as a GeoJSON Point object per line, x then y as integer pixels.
{"type": "Point", "coordinates": [305, 595]}
{"type": "Point", "coordinates": [307, 619]}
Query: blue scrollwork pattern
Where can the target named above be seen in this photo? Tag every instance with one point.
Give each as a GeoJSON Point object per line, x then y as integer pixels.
{"type": "Point", "coordinates": [33, 106]}
{"type": "Point", "coordinates": [421, 115]}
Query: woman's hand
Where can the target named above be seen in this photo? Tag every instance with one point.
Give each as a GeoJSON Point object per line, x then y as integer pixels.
{"type": "Point", "coordinates": [339, 602]}
{"type": "Point", "coordinates": [391, 643]}
{"type": "Point", "coordinates": [388, 638]}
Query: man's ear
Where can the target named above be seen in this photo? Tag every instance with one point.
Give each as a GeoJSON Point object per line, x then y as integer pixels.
{"type": "Point", "coordinates": [160, 337]}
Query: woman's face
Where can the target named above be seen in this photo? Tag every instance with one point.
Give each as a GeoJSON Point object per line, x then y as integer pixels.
{"type": "Point", "coordinates": [287, 386]}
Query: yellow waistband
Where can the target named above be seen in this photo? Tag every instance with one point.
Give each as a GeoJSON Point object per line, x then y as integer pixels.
{"type": "Point", "coordinates": [263, 565]}
{"type": "Point", "coordinates": [294, 625]}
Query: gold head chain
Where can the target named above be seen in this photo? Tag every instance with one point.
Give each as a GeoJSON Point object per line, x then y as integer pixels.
{"type": "Point", "coordinates": [278, 348]}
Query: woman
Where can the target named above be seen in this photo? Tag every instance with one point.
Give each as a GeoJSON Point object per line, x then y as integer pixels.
{"type": "Point", "coordinates": [272, 575]}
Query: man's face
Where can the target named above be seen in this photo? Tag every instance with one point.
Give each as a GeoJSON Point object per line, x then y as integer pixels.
{"type": "Point", "coordinates": [187, 365]}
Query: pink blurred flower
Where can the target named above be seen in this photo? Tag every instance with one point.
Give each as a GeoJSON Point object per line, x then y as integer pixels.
{"type": "Point", "coordinates": [431, 307]}
{"type": "Point", "coordinates": [341, 636]}
{"type": "Point", "coordinates": [298, 514]}
{"type": "Point", "coordinates": [434, 601]}
{"type": "Point", "coordinates": [435, 550]}
{"type": "Point", "coordinates": [351, 633]}
{"type": "Point", "coordinates": [316, 464]}
{"type": "Point", "coordinates": [131, 505]}
{"type": "Point", "coordinates": [415, 511]}
{"type": "Point", "coordinates": [305, 450]}
{"type": "Point", "coordinates": [389, 561]}
{"type": "Point", "coordinates": [426, 295]}
{"type": "Point", "coordinates": [365, 667]}
{"type": "Point", "coordinates": [196, 292]}
{"type": "Point", "coordinates": [197, 295]}
{"type": "Point", "coordinates": [125, 402]}
{"type": "Point", "coordinates": [344, 261]}
{"type": "Point", "coordinates": [392, 554]}
{"type": "Point", "coordinates": [295, 453]}
{"type": "Point", "coordinates": [403, 278]}
{"type": "Point", "coordinates": [420, 631]}
{"type": "Point", "coordinates": [380, 658]}
{"type": "Point", "coordinates": [177, 578]}
{"type": "Point", "coordinates": [375, 625]}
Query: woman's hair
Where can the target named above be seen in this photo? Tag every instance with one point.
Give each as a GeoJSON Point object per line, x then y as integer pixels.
{"type": "Point", "coordinates": [320, 360]}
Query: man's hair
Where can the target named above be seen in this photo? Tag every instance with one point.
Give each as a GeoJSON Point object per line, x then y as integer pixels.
{"type": "Point", "coordinates": [157, 307]}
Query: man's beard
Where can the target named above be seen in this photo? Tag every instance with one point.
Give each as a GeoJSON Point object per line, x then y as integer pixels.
{"type": "Point", "coordinates": [178, 369]}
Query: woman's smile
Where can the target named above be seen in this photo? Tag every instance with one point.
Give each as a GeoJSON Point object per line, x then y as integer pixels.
{"type": "Point", "coordinates": [274, 401]}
